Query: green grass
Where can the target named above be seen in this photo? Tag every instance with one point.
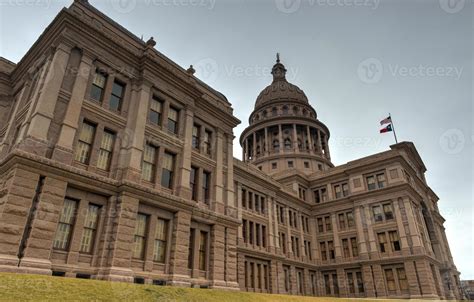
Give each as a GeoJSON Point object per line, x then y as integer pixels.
{"type": "Point", "coordinates": [18, 287]}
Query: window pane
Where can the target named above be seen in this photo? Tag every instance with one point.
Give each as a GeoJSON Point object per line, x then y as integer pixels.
{"type": "Point", "coordinates": [161, 229]}
{"type": "Point", "coordinates": [115, 103]}
{"type": "Point", "coordinates": [69, 210]}
{"type": "Point", "coordinates": [156, 105]}
{"type": "Point", "coordinates": [149, 153]}
{"type": "Point", "coordinates": [117, 89]}
{"type": "Point", "coordinates": [99, 80]}
{"type": "Point", "coordinates": [168, 161]}
{"type": "Point", "coordinates": [87, 133]}
{"type": "Point", "coordinates": [91, 216]}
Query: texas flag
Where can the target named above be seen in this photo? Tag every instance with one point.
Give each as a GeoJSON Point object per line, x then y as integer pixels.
{"type": "Point", "coordinates": [387, 128]}
{"type": "Point", "coordinates": [387, 120]}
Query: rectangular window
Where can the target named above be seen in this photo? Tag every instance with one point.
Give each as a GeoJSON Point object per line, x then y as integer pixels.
{"type": "Point", "coordinates": [320, 195]}
{"type": "Point", "coordinates": [342, 221]}
{"type": "Point", "coordinates": [338, 191]}
{"type": "Point", "coordinates": [394, 240]}
{"type": "Point", "coordinates": [322, 247]}
{"type": "Point", "coordinates": [355, 250]}
{"type": "Point", "coordinates": [105, 151]}
{"type": "Point", "coordinates": [168, 170]}
{"type": "Point", "coordinates": [382, 242]}
{"type": "Point", "coordinates": [191, 248]}
{"type": "Point", "coordinates": [381, 180]}
{"type": "Point", "coordinates": [377, 211]}
{"type": "Point", "coordinates": [193, 182]}
{"type": "Point", "coordinates": [257, 231]}
{"type": "Point", "coordinates": [244, 198]}
{"type": "Point", "coordinates": [206, 186]}
{"type": "Point", "coordinates": [173, 120]}
{"type": "Point", "coordinates": [402, 279]}
{"type": "Point", "coordinates": [283, 242]}
{"type": "Point", "coordinates": [360, 282]}
{"type": "Point", "coordinates": [371, 183]}
{"type": "Point", "coordinates": [332, 254]}
{"type": "Point", "coordinates": [65, 225]}
{"type": "Point", "coordinates": [139, 240]}
{"type": "Point", "coordinates": [203, 251]}
{"type": "Point", "coordinates": [335, 284]}
{"type": "Point", "coordinates": [350, 219]}
{"type": "Point", "coordinates": [116, 98]}
{"type": "Point", "coordinates": [161, 232]}
{"type": "Point", "coordinates": [207, 142]}
{"type": "Point", "coordinates": [320, 225]}
{"type": "Point", "coordinates": [244, 230]}
{"type": "Point", "coordinates": [196, 135]}
{"type": "Point", "coordinates": [350, 281]}
{"type": "Point", "coordinates": [98, 86]}
{"type": "Point", "coordinates": [264, 236]}
{"type": "Point", "coordinates": [391, 285]}
{"type": "Point", "coordinates": [345, 189]}
{"type": "Point", "coordinates": [327, 285]}
{"type": "Point", "coordinates": [345, 248]}
{"type": "Point", "coordinates": [156, 108]}
{"type": "Point", "coordinates": [149, 162]}
{"type": "Point", "coordinates": [388, 211]}
{"type": "Point", "coordinates": [84, 145]}
{"type": "Point", "coordinates": [327, 219]}
{"type": "Point", "coordinates": [90, 228]}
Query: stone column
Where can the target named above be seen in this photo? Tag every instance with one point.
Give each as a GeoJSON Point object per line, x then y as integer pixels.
{"type": "Point", "coordinates": [363, 253]}
{"type": "Point", "coordinates": [412, 278]}
{"type": "Point", "coordinates": [289, 249]}
{"type": "Point", "coordinates": [122, 220]}
{"type": "Point", "coordinates": [216, 257]}
{"type": "Point", "coordinates": [218, 175]}
{"type": "Point", "coordinates": [320, 146]}
{"type": "Point", "coordinates": [266, 142]}
{"type": "Point", "coordinates": [14, 212]}
{"type": "Point", "coordinates": [369, 284]}
{"type": "Point", "coordinates": [427, 283]}
{"type": "Point", "coordinates": [231, 204]}
{"type": "Point", "coordinates": [415, 236]}
{"type": "Point", "coordinates": [280, 138]}
{"type": "Point", "coordinates": [63, 150]}
{"type": "Point", "coordinates": [4, 143]}
{"type": "Point", "coordinates": [179, 249]}
{"type": "Point", "coordinates": [310, 139]}
{"type": "Point", "coordinates": [239, 210]}
{"type": "Point", "coordinates": [295, 139]}
{"type": "Point", "coordinates": [373, 251]}
{"type": "Point", "coordinates": [254, 145]}
{"type": "Point", "coordinates": [40, 241]}
{"type": "Point", "coordinates": [42, 114]}
{"type": "Point", "coordinates": [379, 279]}
{"type": "Point", "coordinates": [326, 151]}
{"type": "Point", "coordinates": [401, 229]}
{"type": "Point", "coordinates": [271, 232]}
{"type": "Point", "coordinates": [337, 242]}
{"type": "Point", "coordinates": [342, 283]}
{"type": "Point", "coordinates": [231, 258]}
{"type": "Point", "coordinates": [184, 166]}
{"type": "Point", "coordinates": [134, 134]}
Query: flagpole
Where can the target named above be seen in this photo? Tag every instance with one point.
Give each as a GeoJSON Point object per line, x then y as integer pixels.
{"type": "Point", "coordinates": [393, 128]}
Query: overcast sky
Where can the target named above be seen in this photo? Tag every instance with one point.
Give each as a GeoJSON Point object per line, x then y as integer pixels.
{"type": "Point", "coordinates": [356, 60]}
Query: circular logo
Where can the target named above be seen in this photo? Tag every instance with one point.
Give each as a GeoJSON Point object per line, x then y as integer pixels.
{"type": "Point", "coordinates": [452, 6]}
{"type": "Point", "coordinates": [123, 6]}
{"type": "Point", "coordinates": [452, 141]}
{"type": "Point", "coordinates": [207, 70]}
{"type": "Point", "coordinates": [370, 70]}
{"type": "Point", "coordinates": [288, 6]}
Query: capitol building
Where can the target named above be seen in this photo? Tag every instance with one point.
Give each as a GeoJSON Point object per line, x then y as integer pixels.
{"type": "Point", "coordinates": [117, 164]}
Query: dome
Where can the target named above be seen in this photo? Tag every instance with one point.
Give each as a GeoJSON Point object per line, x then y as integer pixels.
{"type": "Point", "coordinates": [280, 89]}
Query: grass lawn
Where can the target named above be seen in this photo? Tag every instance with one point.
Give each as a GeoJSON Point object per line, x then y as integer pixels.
{"type": "Point", "coordinates": [17, 287]}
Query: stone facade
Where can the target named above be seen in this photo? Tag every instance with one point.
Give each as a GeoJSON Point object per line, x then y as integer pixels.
{"type": "Point", "coordinates": [117, 164]}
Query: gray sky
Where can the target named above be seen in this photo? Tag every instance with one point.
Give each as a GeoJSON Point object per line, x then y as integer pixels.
{"type": "Point", "coordinates": [356, 60]}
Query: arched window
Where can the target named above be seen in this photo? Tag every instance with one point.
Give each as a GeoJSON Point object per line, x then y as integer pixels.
{"type": "Point", "coordinates": [295, 110]}
{"type": "Point", "coordinates": [264, 113]}
{"type": "Point", "coordinates": [305, 112]}
{"type": "Point", "coordinates": [285, 109]}
{"type": "Point", "coordinates": [274, 111]}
